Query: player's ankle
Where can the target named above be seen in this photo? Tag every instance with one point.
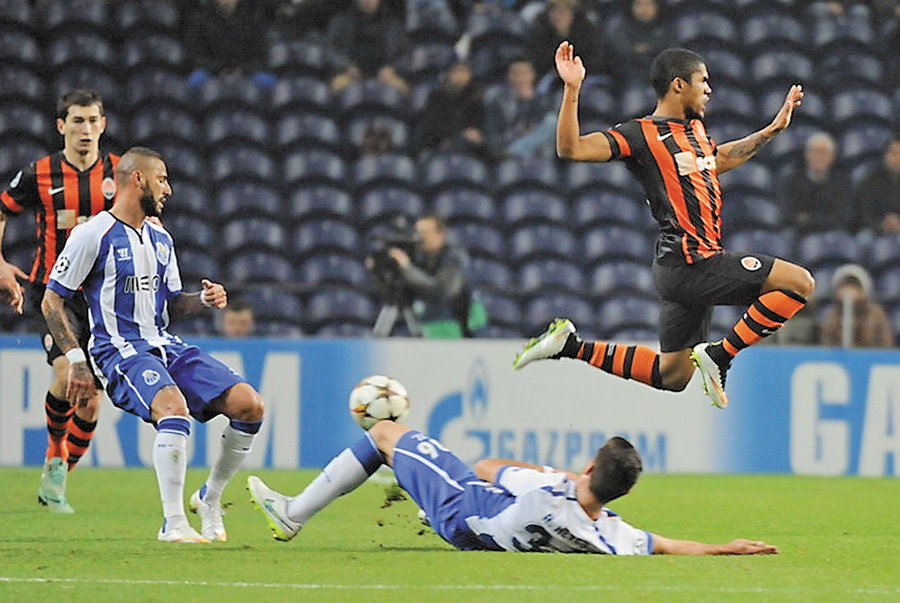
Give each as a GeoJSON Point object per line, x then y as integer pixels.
{"type": "Point", "coordinates": [571, 347]}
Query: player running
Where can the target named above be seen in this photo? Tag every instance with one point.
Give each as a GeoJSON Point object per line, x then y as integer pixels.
{"type": "Point", "coordinates": [62, 189]}
{"type": "Point", "coordinates": [499, 506]}
{"type": "Point", "coordinates": [127, 268]}
{"type": "Point", "coordinates": [678, 166]}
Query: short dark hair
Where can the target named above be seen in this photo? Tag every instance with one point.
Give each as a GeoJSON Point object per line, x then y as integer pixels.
{"type": "Point", "coordinates": [134, 156]}
{"type": "Point", "coordinates": [81, 97]}
{"type": "Point", "coordinates": [672, 63]}
{"type": "Point", "coordinates": [239, 305]}
{"type": "Point", "coordinates": [617, 467]}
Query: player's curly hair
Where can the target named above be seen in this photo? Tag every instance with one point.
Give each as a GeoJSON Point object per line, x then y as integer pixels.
{"type": "Point", "coordinates": [617, 467]}
{"type": "Point", "coordinates": [672, 63]}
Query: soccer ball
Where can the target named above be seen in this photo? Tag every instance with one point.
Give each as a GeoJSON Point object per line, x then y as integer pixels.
{"type": "Point", "coordinates": [377, 398]}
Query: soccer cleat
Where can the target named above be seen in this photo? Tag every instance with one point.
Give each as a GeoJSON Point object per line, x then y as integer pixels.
{"type": "Point", "coordinates": [547, 345]}
{"type": "Point", "coordinates": [713, 374]}
{"type": "Point", "coordinates": [179, 531]}
{"type": "Point", "coordinates": [211, 524]}
{"type": "Point", "coordinates": [52, 493]}
{"type": "Point", "coordinates": [274, 507]}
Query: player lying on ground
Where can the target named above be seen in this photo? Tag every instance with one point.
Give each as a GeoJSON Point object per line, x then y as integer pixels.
{"type": "Point", "coordinates": [678, 166]}
{"type": "Point", "coordinates": [128, 271]}
{"type": "Point", "coordinates": [499, 506]}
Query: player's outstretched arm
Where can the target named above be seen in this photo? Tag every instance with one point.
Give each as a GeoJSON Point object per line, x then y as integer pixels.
{"type": "Point", "coordinates": [10, 289]}
{"type": "Point", "coordinates": [213, 295]}
{"type": "Point", "coordinates": [734, 153]}
{"type": "Point", "coordinates": [569, 142]}
{"type": "Point", "coordinates": [670, 546]}
{"type": "Point", "coordinates": [487, 469]}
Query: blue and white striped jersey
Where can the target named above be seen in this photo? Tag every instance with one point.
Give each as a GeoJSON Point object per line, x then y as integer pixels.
{"type": "Point", "coordinates": [541, 514]}
{"type": "Point", "coordinates": [128, 277]}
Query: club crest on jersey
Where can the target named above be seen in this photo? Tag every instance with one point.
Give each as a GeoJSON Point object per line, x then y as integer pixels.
{"type": "Point", "coordinates": [16, 179]}
{"type": "Point", "coordinates": [150, 376]}
{"type": "Point", "coordinates": [162, 253]}
{"type": "Point", "coordinates": [62, 264]}
{"type": "Point", "coordinates": [108, 188]}
{"type": "Point", "coordinates": [751, 263]}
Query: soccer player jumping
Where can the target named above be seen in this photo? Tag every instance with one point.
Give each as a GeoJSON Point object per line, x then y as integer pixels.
{"type": "Point", "coordinates": [678, 165]}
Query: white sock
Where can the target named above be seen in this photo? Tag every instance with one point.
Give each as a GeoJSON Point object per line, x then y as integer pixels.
{"type": "Point", "coordinates": [235, 448]}
{"type": "Point", "coordinates": [344, 473]}
{"type": "Point", "coordinates": [170, 461]}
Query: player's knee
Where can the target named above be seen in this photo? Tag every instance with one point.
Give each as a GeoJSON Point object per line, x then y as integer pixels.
{"type": "Point", "coordinates": [245, 404]}
{"type": "Point", "coordinates": [168, 402]}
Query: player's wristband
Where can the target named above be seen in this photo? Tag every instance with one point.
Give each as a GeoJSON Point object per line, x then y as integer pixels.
{"type": "Point", "coordinates": [76, 355]}
{"type": "Point", "coordinates": [203, 300]}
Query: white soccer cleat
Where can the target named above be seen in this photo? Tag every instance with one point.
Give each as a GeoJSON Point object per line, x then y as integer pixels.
{"type": "Point", "coordinates": [274, 507]}
{"type": "Point", "coordinates": [179, 531]}
{"type": "Point", "coordinates": [713, 375]}
{"type": "Point", "coordinates": [546, 345]}
{"type": "Point", "coordinates": [52, 493]}
{"type": "Point", "coordinates": [211, 524]}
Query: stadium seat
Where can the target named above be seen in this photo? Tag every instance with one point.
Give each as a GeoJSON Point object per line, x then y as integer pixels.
{"type": "Point", "coordinates": [23, 119]}
{"type": "Point", "coordinates": [481, 239]}
{"type": "Point", "coordinates": [140, 51]}
{"type": "Point", "coordinates": [248, 199]}
{"type": "Point", "coordinates": [151, 122]}
{"type": "Point", "coordinates": [21, 85]}
{"type": "Point", "coordinates": [495, 39]}
{"type": "Point", "coordinates": [19, 13]}
{"type": "Point", "coordinates": [274, 303]}
{"type": "Point", "coordinates": [313, 167]}
{"type": "Point", "coordinates": [611, 208]}
{"type": "Point", "coordinates": [769, 242]}
{"type": "Point", "coordinates": [770, 29]}
{"type": "Point", "coordinates": [832, 247]}
{"type": "Point", "coordinates": [454, 169]}
{"type": "Point", "coordinates": [536, 240]}
{"type": "Point", "coordinates": [752, 178]}
{"type": "Point", "coordinates": [622, 278]}
{"type": "Point", "coordinates": [333, 305]}
{"type": "Point", "coordinates": [781, 66]}
{"type": "Point", "coordinates": [236, 126]}
{"type": "Point", "coordinates": [428, 21]}
{"type": "Point", "coordinates": [258, 267]}
{"type": "Point", "coordinates": [489, 274]}
{"type": "Point", "coordinates": [326, 235]}
{"type": "Point", "coordinates": [384, 169]}
{"type": "Point", "coordinates": [195, 264]}
{"type": "Point", "coordinates": [75, 15]}
{"type": "Point", "coordinates": [542, 309]}
{"type": "Point", "coordinates": [863, 142]}
{"type": "Point", "coordinates": [257, 233]}
{"type": "Point", "coordinates": [517, 174]}
{"type": "Point", "coordinates": [709, 25]}
{"type": "Point", "coordinates": [192, 231]}
{"type": "Point", "coordinates": [230, 92]}
{"type": "Point", "coordinates": [242, 163]}
{"type": "Point", "coordinates": [464, 205]}
{"type": "Point", "coordinates": [598, 102]}
{"type": "Point", "coordinates": [300, 131]}
{"type": "Point", "coordinates": [188, 197]}
{"type": "Point", "coordinates": [606, 243]}
{"type": "Point", "coordinates": [583, 176]}
{"type": "Point", "coordinates": [863, 105]}
{"type": "Point", "coordinates": [147, 15]}
{"type": "Point", "coordinates": [184, 162]}
{"type": "Point", "coordinates": [725, 65]}
{"type": "Point", "coordinates": [14, 157]}
{"type": "Point", "coordinates": [815, 105]}
{"type": "Point", "coordinates": [533, 206]}
{"type": "Point", "coordinates": [785, 148]}
{"type": "Point", "coordinates": [326, 268]}
{"type": "Point", "coordinates": [321, 200]}
{"type": "Point", "coordinates": [152, 86]}
{"type": "Point", "coordinates": [503, 310]}
{"type": "Point", "coordinates": [846, 29]}
{"type": "Point", "coordinates": [729, 101]}
{"type": "Point", "coordinates": [303, 57]}
{"type": "Point", "coordinates": [751, 211]}
{"type": "Point", "coordinates": [550, 275]}
{"type": "Point", "coordinates": [627, 312]}
{"type": "Point", "coordinates": [306, 94]}
{"type": "Point", "coordinates": [357, 130]}
{"type": "Point", "coordinates": [369, 98]}
{"type": "Point", "coordinates": [841, 68]}
{"type": "Point", "coordinates": [887, 287]}
{"type": "Point", "coordinates": [81, 48]}
{"type": "Point", "coordinates": [426, 61]}
{"type": "Point", "coordinates": [637, 101]}
{"type": "Point", "coordinates": [18, 48]}
{"type": "Point", "coordinates": [884, 253]}
{"type": "Point", "coordinates": [344, 330]}
{"type": "Point", "coordinates": [382, 203]}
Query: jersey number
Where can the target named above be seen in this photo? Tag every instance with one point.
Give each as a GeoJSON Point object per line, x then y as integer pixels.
{"type": "Point", "coordinates": [537, 543]}
{"type": "Point", "coordinates": [430, 448]}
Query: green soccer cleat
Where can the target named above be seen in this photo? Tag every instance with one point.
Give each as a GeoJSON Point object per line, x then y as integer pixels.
{"type": "Point", "coordinates": [52, 493]}
{"type": "Point", "coordinates": [547, 345]}
{"type": "Point", "coordinates": [274, 507]}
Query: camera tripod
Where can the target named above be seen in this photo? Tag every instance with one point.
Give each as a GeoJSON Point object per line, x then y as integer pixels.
{"type": "Point", "coordinates": [387, 318]}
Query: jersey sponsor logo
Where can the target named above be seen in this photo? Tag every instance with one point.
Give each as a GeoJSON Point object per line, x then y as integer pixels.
{"type": "Point", "coordinates": [52, 191]}
{"type": "Point", "coordinates": [150, 376]}
{"type": "Point", "coordinates": [16, 179]}
{"type": "Point", "coordinates": [65, 219]}
{"type": "Point", "coordinates": [162, 253]}
{"type": "Point", "coordinates": [134, 283]}
{"type": "Point", "coordinates": [62, 264]}
{"type": "Point", "coordinates": [662, 137]}
{"type": "Point", "coordinates": [108, 188]}
{"type": "Point", "coordinates": [751, 263]}
{"type": "Point", "coordinates": [688, 163]}
{"type": "Point", "coordinates": [123, 254]}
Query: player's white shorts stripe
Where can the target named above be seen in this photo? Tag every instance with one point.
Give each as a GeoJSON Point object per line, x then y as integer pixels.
{"type": "Point", "coordinates": [443, 474]}
{"type": "Point", "coordinates": [133, 388]}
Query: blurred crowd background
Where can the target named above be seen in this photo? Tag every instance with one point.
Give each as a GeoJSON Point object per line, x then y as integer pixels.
{"type": "Point", "coordinates": [295, 131]}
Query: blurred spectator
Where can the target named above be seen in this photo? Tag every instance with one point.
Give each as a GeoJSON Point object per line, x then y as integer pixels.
{"type": "Point", "coordinates": [564, 20]}
{"type": "Point", "coordinates": [238, 320]}
{"type": "Point", "coordinates": [227, 37]}
{"type": "Point", "coordinates": [372, 38]}
{"type": "Point", "coordinates": [878, 193]}
{"type": "Point", "coordinates": [817, 195]}
{"type": "Point", "coordinates": [634, 38]}
{"type": "Point", "coordinates": [520, 122]}
{"type": "Point", "coordinates": [377, 140]}
{"type": "Point", "coordinates": [839, 8]}
{"type": "Point", "coordinates": [870, 327]}
{"type": "Point", "coordinates": [453, 116]}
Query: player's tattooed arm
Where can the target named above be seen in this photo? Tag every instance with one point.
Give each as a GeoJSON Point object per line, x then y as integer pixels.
{"type": "Point", "coordinates": [80, 384]}
{"type": "Point", "coordinates": [734, 153]}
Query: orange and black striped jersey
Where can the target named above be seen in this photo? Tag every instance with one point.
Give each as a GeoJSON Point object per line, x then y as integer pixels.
{"type": "Point", "coordinates": [60, 196]}
{"type": "Point", "coordinates": [675, 162]}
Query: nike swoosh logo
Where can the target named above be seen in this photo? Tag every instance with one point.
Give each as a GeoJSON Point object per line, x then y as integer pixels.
{"type": "Point", "coordinates": [663, 136]}
{"type": "Point", "coordinates": [53, 191]}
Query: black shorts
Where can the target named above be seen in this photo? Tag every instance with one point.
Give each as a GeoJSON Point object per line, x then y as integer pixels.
{"type": "Point", "coordinates": [76, 311]}
{"type": "Point", "coordinates": [688, 292]}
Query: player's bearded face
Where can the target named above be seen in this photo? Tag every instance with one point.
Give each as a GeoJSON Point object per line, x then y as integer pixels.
{"type": "Point", "coordinates": [149, 203]}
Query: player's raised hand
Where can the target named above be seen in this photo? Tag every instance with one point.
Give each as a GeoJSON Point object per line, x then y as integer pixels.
{"type": "Point", "coordinates": [213, 295]}
{"type": "Point", "coordinates": [10, 288]}
{"type": "Point", "coordinates": [569, 67]}
{"type": "Point", "coordinates": [791, 102]}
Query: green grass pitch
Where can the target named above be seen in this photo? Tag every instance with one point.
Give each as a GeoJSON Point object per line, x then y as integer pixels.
{"type": "Point", "coordinates": [838, 540]}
